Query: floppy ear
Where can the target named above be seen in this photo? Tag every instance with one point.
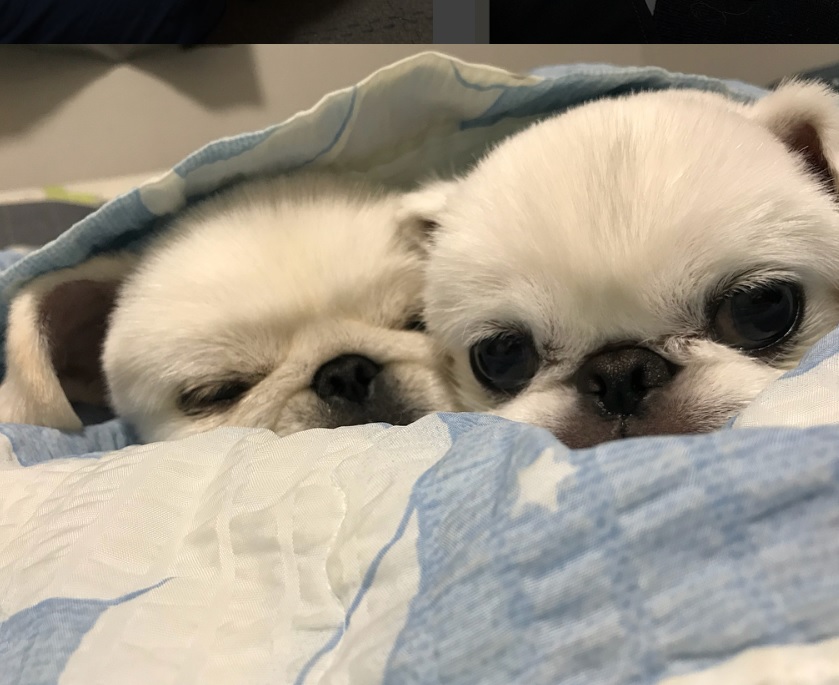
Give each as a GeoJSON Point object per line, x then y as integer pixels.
{"type": "Point", "coordinates": [805, 117]}
{"type": "Point", "coordinates": [419, 212]}
{"type": "Point", "coordinates": [55, 331]}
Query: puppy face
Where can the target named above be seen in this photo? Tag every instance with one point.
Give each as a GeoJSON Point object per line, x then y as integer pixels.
{"type": "Point", "coordinates": [286, 304]}
{"type": "Point", "coordinates": [641, 265]}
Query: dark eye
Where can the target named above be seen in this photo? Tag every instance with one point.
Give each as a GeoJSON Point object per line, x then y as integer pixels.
{"type": "Point", "coordinates": [212, 397]}
{"type": "Point", "coordinates": [758, 317]}
{"type": "Point", "coordinates": [505, 362]}
{"type": "Point", "coordinates": [415, 323]}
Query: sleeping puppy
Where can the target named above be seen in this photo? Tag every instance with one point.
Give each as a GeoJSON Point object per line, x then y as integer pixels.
{"type": "Point", "coordinates": [640, 265]}
{"type": "Point", "coordinates": [284, 303]}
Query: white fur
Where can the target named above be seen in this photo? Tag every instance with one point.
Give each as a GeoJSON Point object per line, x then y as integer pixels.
{"type": "Point", "coordinates": [612, 222]}
{"type": "Point", "coordinates": [270, 280]}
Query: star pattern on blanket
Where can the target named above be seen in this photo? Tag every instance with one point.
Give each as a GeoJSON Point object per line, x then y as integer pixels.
{"type": "Point", "coordinates": [651, 5]}
{"type": "Point", "coordinates": [537, 483]}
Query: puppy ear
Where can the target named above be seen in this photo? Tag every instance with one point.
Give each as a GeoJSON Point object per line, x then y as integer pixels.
{"type": "Point", "coordinates": [54, 335]}
{"type": "Point", "coordinates": [420, 211]}
{"type": "Point", "coordinates": [805, 117]}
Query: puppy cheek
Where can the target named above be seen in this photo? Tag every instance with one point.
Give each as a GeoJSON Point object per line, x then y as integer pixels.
{"type": "Point", "coordinates": [705, 396]}
{"type": "Point", "coordinates": [296, 417]}
{"type": "Point", "coordinates": [421, 387]}
{"type": "Point", "coordinates": [550, 409]}
{"type": "Point", "coordinates": [282, 408]}
{"type": "Point", "coordinates": [561, 411]}
{"type": "Point", "coordinates": [466, 393]}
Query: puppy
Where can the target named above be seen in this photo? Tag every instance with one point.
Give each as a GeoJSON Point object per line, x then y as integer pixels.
{"type": "Point", "coordinates": [639, 265]}
{"type": "Point", "coordinates": [285, 303]}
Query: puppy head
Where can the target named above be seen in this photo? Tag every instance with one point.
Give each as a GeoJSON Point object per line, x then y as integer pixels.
{"type": "Point", "coordinates": [640, 265]}
{"type": "Point", "coordinates": [287, 304]}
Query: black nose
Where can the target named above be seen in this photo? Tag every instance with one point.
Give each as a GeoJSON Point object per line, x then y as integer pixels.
{"type": "Point", "coordinates": [346, 377]}
{"type": "Point", "coordinates": [617, 381]}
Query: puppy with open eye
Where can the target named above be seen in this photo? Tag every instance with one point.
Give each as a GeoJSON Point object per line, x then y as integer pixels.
{"type": "Point", "coordinates": [284, 303]}
{"type": "Point", "coordinates": [639, 265]}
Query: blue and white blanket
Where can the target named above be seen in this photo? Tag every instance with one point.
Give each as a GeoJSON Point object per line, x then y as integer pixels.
{"type": "Point", "coordinates": [460, 549]}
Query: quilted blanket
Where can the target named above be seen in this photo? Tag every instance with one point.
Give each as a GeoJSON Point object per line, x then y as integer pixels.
{"type": "Point", "coordinates": [460, 549]}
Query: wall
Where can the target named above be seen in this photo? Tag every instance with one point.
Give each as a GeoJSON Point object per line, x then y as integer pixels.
{"type": "Point", "coordinates": [68, 117]}
{"type": "Point", "coordinates": [760, 64]}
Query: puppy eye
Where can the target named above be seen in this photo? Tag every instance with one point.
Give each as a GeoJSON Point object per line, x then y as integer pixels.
{"type": "Point", "coordinates": [505, 362]}
{"type": "Point", "coordinates": [758, 317]}
{"type": "Point", "coordinates": [212, 397]}
{"type": "Point", "coordinates": [415, 323]}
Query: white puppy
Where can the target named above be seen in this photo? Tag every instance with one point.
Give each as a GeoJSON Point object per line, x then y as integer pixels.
{"type": "Point", "coordinates": [639, 265]}
{"type": "Point", "coordinates": [283, 303]}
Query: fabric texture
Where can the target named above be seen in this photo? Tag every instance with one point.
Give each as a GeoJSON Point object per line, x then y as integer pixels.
{"type": "Point", "coordinates": [460, 549]}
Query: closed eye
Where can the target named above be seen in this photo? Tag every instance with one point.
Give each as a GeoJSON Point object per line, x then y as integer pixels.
{"type": "Point", "coordinates": [215, 396]}
{"type": "Point", "coordinates": [415, 323]}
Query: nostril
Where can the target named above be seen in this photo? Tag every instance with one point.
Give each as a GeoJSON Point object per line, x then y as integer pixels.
{"type": "Point", "coordinates": [638, 380]}
{"type": "Point", "coordinates": [655, 372]}
{"type": "Point", "coordinates": [592, 384]}
{"type": "Point", "coordinates": [347, 377]}
{"type": "Point", "coordinates": [335, 386]}
{"type": "Point", "coordinates": [363, 374]}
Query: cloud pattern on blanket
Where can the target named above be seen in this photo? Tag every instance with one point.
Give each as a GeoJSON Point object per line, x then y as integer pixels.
{"type": "Point", "coordinates": [460, 549]}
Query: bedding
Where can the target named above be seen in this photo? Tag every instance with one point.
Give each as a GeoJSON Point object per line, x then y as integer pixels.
{"type": "Point", "coordinates": [34, 216]}
{"type": "Point", "coordinates": [460, 549]}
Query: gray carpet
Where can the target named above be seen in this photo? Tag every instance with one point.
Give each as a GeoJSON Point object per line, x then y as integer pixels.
{"type": "Point", "coordinates": [325, 21]}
